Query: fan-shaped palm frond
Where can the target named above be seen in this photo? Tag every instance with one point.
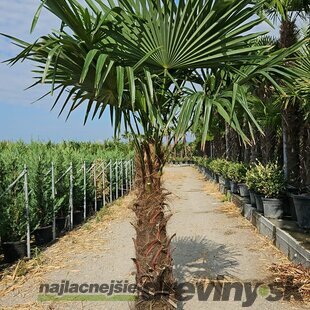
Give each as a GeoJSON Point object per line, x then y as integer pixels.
{"type": "Point", "coordinates": [129, 55]}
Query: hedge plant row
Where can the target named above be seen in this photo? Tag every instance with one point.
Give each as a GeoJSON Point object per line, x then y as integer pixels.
{"type": "Point", "coordinates": [39, 157]}
{"type": "Point", "coordinates": [267, 180]}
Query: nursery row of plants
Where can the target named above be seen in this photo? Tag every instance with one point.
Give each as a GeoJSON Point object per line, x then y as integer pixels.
{"type": "Point", "coordinates": [263, 184]}
{"type": "Point", "coordinates": [46, 189]}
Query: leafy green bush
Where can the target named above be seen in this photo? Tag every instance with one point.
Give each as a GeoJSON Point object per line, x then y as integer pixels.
{"type": "Point", "coordinates": [220, 166]}
{"type": "Point", "coordinates": [267, 180]}
{"type": "Point", "coordinates": [205, 162]}
{"type": "Point", "coordinates": [236, 172]}
{"type": "Point", "coordinates": [251, 178]}
{"type": "Point", "coordinates": [39, 157]}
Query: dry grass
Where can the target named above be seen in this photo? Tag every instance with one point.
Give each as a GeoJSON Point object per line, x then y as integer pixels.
{"type": "Point", "coordinates": [231, 210]}
{"type": "Point", "coordinates": [263, 244]}
{"type": "Point", "coordinates": [295, 278]}
{"type": "Point", "coordinates": [80, 240]}
{"type": "Point", "coordinates": [213, 190]}
{"type": "Point", "coordinates": [30, 306]}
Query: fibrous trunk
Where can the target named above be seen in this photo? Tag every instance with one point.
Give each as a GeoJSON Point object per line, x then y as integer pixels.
{"type": "Point", "coordinates": [305, 154]}
{"type": "Point", "coordinates": [154, 276]}
{"type": "Point", "coordinates": [290, 115]}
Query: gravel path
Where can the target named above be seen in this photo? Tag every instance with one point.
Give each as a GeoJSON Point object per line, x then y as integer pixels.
{"type": "Point", "coordinates": [210, 244]}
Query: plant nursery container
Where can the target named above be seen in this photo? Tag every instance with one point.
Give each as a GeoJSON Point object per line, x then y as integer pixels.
{"type": "Point", "coordinates": [252, 198]}
{"type": "Point", "coordinates": [14, 250]}
{"type": "Point", "coordinates": [259, 202]}
{"type": "Point", "coordinates": [302, 207]}
{"type": "Point", "coordinates": [234, 187]}
{"type": "Point", "coordinates": [61, 224]}
{"type": "Point", "coordinates": [290, 197]}
{"type": "Point", "coordinates": [78, 217]}
{"type": "Point", "coordinates": [243, 190]}
{"type": "Point", "coordinates": [225, 182]}
{"type": "Point", "coordinates": [273, 208]}
{"type": "Point", "coordinates": [43, 235]}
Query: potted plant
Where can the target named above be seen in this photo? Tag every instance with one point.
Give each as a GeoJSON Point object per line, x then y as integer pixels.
{"type": "Point", "coordinates": [224, 165]}
{"type": "Point", "coordinates": [220, 168]}
{"type": "Point", "coordinates": [40, 200]}
{"type": "Point", "coordinates": [236, 173]}
{"type": "Point", "coordinates": [43, 232]}
{"type": "Point", "coordinates": [251, 180]}
{"type": "Point", "coordinates": [206, 167]}
{"type": "Point", "coordinates": [13, 229]}
{"type": "Point", "coordinates": [271, 184]}
{"type": "Point", "coordinates": [302, 207]}
{"type": "Point", "coordinates": [13, 221]}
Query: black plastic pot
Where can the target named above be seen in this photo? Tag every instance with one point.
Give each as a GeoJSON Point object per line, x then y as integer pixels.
{"type": "Point", "coordinates": [14, 250]}
{"type": "Point", "coordinates": [61, 224]}
{"type": "Point", "coordinates": [290, 197]}
{"type": "Point", "coordinates": [223, 181]}
{"type": "Point", "coordinates": [216, 177]}
{"type": "Point", "coordinates": [100, 201]}
{"type": "Point", "coordinates": [302, 207]}
{"type": "Point", "coordinates": [43, 235]}
{"type": "Point", "coordinates": [252, 198]}
{"type": "Point", "coordinates": [273, 208]}
{"type": "Point", "coordinates": [208, 174]}
{"type": "Point", "coordinates": [243, 190]}
{"type": "Point", "coordinates": [234, 187]}
{"type": "Point", "coordinates": [89, 210]}
{"type": "Point", "coordinates": [259, 202]}
{"type": "Point", "coordinates": [78, 217]}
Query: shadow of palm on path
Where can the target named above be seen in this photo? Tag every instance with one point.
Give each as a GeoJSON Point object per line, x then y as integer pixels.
{"type": "Point", "coordinates": [197, 258]}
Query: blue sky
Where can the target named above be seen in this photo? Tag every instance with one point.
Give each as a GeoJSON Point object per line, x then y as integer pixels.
{"type": "Point", "coordinates": [19, 119]}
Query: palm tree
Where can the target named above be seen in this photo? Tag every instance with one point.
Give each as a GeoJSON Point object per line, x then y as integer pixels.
{"type": "Point", "coordinates": [301, 95]}
{"type": "Point", "coordinates": [287, 12]}
{"type": "Point", "coordinates": [136, 58]}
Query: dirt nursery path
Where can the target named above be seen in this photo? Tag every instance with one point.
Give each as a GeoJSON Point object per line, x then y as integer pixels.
{"type": "Point", "coordinates": [212, 242]}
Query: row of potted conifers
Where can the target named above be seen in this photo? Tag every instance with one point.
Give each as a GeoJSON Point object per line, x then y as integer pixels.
{"type": "Point", "coordinates": [264, 185]}
{"type": "Point", "coordinates": [14, 250]}
{"type": "Point", "coordinates": [46, 162]}
{"type": "Point", "coordinates": [59, 178]}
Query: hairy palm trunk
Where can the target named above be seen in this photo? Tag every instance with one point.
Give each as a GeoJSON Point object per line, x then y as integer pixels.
{"type": "Point", "coordinates": [305, 154]}
{"type": "Point", "coordinates": [290, 116]}
{"type": "Point", "coordinates": [233, 147]}
{"type": "Point", "coordinates": [256, 149]}
{"type": "Point", "coordinates": [154, 276]}
{"type": "Point", "coordinates": [269, 144]}
{"type": "Point", "coordinates": [291, 127]}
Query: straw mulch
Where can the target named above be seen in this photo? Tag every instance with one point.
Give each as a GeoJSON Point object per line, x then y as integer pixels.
{"type": "Point", "coordinates": [294, 278]}
{"type": "Point", "coordinates": [29, 306]}
{"type": "Point", "coordinates": [213, 190]}
{"type": "Point", "coordinates": [78, 241]}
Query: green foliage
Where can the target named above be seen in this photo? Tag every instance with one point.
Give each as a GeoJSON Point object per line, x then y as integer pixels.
{"type": "Point", "coordinates": [220, 166]}
{"type": "Point", "coordinates": [251, 178]}
{"type": "Point", "coordinates": [237, 172]}
{"type": "Point", "coordinates": [138, 58]}
{"type": "Point", "coordinates": [267, 180]}
{"type": "Point", "coordinates": [39, 157]}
